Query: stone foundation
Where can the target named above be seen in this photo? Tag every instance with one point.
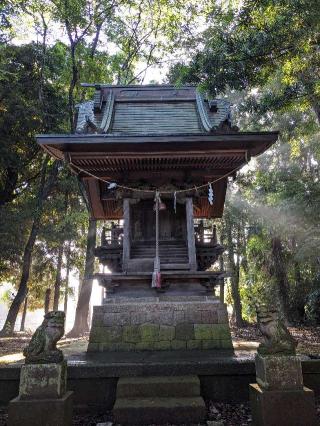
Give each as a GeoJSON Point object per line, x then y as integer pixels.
{"type": "Point", "coordinates": [285, 408]}
{"type": "Point", "coordinates": [43, 399]}
{"type": "Point", "coordinates": [40, 412]}
{"type": "Point", "coordinates": [279, 397]}
{"type": "Point", "coordinates": [160, 323]}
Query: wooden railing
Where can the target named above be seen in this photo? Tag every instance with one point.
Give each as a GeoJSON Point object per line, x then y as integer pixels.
{"type": "Point", "coordinates": [205, 234]}
{"type": "Point", "coordinates": [112, 236]}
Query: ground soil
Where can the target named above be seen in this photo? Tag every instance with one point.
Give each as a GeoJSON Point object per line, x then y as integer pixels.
{"type": "Point", "coordinates": [220, 414]}
{"type": "Point", "coordinates": [16, 344]}
{"type": "Point", "coordinates": [308, 339]}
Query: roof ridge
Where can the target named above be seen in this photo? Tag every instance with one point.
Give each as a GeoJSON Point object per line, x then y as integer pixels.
{"type": "Point", "coordinates": [136, 86]}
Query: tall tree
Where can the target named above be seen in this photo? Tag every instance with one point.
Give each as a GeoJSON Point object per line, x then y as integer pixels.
{"type": "Point", "coordinates": [45, 187]}
{"type": "Point", "coordinates": [245, 47]}
{"type": "Point", "coordinates": [235, 246]}
{"type": "Point", "coordinates": [81, 325]}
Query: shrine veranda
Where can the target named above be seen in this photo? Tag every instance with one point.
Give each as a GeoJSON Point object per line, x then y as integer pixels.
{"type": "Point", "coordinates": [155, 161]}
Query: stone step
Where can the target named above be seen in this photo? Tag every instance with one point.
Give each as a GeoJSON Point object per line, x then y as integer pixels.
{"type": "Point", "coordinates": [161, 242]}
{"type": "Point", "coordinates": [153, 250]}
{"type": "Point", "coordinates": [161, 252]}
{"type": "Point", "coordinates": [182, 261]}
{"type": "Point", "coordinates": [172, 247]}
{"type": "Point", "coordinates": [146, 411]}
{"type": "Point", "coordinates": [161, 249]}
{"type": "Point", "coordinates": [158, 386]}
{"type": "Point", "coordinates": [175, 266]}
{"type": "Point", "coordinates": [176, 259]}
{"type": "Point", "coordinates": [151, 255]}
{"type": "Point", "coordinates": [165, 259]}
{"type": "Point", "coordinates": [152, 243]}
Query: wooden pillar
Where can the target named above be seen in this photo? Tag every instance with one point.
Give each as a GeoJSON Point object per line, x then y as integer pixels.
{"type": "Point", "coordinates": [126, 233]}
{"type": "Point", "coordinates": [190, 235]}
{"type": "Point", "coordinates": [222, 279]}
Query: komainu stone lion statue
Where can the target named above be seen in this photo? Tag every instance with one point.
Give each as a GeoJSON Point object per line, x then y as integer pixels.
{"type": "Point", "coordinates": [42, 347]}
{"type": "Point", "coordinates": [277, 339]}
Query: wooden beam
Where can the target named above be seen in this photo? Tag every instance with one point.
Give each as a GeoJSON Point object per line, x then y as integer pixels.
{"type": "Point", "coordinates": [202, 175]}
{"type": "Point", "coordinates": [190, 235]}
{"type": "Point", "coordinates": [95, 200]}
{"type": "Point", "coordinates": [225, 152]}
{"type": "Point", "coordinates": [126, 233]}
{"type": "Point", "coordinates": [255, 142]}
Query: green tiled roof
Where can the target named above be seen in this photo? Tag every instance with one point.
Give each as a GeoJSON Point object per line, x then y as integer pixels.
{"type": "Point", "coordinates": [152, 110]}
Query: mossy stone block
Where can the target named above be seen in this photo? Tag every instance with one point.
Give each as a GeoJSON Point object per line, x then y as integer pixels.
{"type": "Point", "coordinates": [163, 345]}
{"type": "Point", "coordinates": [194, 344]}
{"type": "Point", "coordinates": [113, 334]}
{"type": "Point", "coordinates": [178, 344]}
{"type": "Point", "coordinates": [226, 344]}
{"type": "Point", "coordinates": [145, 346]}
{"type": "Point", "coordinates": [166, 332]}
{"type": "Point", "coordinates": [106, 334]}
{"type": "Point", "coordinates": [220, 331]}
{"type": "Point", "coordinates": [211, 344]}
{"type": "Point", "coordinates": [119, 347]}
{"type": "Point", "coordinates": [97, 320]}
{"type": "Point", "coordinates": [149, 332]}
{"type": "Point", "coordinates": [184, 331]}
{"type": "Point", "coordinates": [131, 334]}
{"type": "Point", "coordinates": [96, 334]}
{"type": "Point", "coordinates": [93, 347]}
{"type": "Point", "coordinates": [202, 331]}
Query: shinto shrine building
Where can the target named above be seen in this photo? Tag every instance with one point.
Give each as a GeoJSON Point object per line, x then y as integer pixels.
{"type": "Point", "coordinates": [155, 162]}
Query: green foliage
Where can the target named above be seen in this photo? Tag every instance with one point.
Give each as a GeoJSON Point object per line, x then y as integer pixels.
{"type": "Point", "coordinates": [257, 44]}
{"type": "Point", "coordinates": [312, 307]}
{"type": "Point", "coordinates": [74, 41]}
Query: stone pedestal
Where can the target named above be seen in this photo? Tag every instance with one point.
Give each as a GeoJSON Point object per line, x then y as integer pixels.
{"type": "Point", "coordinates": [279, 397]}
{"type": "Point", "coordinates": [42, 381]}
{"type": "Point", "coordinates": [160, 323]}
{"type": "Point", "coordinates": [43, 399]}
{"type": "Point", "coordinates": [279, 372]}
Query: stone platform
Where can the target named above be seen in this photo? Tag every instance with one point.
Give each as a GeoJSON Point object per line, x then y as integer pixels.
{"type": "Point", "coordinates": [160, 323]}
{"type": "Point", "coordinates": [159, 400]}
{"type": "Point", "coordinates": [93, 376]}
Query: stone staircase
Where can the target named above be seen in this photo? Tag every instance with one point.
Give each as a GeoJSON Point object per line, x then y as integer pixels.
{"type": "Point", "coordinates": [173, 254]}
{"type": "Point", "coordinates": [159, 400]}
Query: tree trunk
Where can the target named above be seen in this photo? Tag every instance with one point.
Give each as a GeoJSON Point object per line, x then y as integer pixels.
{"type": "Point", "coordinates": [72, 84]}
{"type": "Point", "coordinates": [47, 299]}
{"type": "Point", "coordinates": [66, 291]}
{"type": "Point", "coordinates": [235, 275]}
{"type": "Point", "coordinates": [81, 319]}
{"type": "Point", "coordinates": [281, 277]}
{"type": "Point", "coordinates": [7, 193]}
{"type": "Point", "coordinates": [24, 314]}
{"type": "Point", "coordinates": [315, 104]}
{"type": "Point", "coordinates": [221, 263]}
{"type": "Point", "coordinates": [44, 191]}
{"type": "Point", "coordinates": [57, 283]}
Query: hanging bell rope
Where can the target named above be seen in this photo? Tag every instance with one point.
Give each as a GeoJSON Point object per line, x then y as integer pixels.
{"type": "Point", "coordinates": [156, 275]}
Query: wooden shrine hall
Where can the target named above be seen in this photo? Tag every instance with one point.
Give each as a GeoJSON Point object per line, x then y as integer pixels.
{"type": "Point", "coordinates": [155, 161]}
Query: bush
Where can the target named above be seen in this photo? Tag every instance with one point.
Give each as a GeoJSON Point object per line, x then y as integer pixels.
{"type": "Point", "coordinates": [312, 307]}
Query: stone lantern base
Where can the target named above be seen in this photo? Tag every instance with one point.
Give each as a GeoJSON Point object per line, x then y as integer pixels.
{"type": "Point", "coordinates": [279, 397]}
{"type": "Point", "coordinates": [43, 399]}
